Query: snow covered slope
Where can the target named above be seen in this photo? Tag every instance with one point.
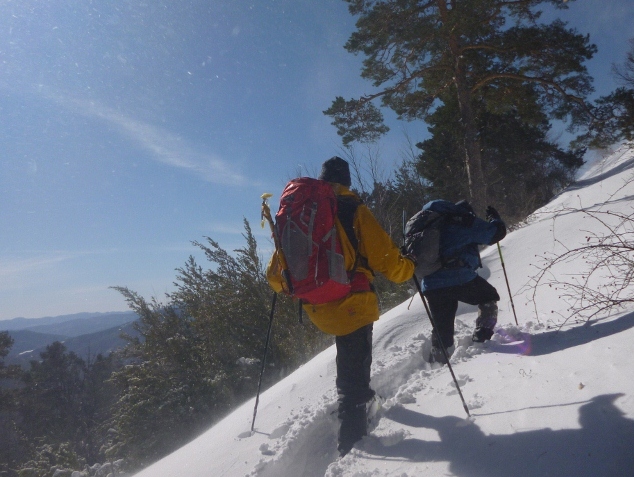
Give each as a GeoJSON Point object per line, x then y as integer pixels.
{"type": "Point", "coordinates": [544, 401]}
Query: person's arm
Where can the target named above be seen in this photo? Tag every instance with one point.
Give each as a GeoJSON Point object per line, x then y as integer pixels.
{"type": "Point", "coordinates": [493, 217]}
{"type": "Point", "coordinates": [376, 245]}
{"type": "Point", "coordinates": [455, 237]}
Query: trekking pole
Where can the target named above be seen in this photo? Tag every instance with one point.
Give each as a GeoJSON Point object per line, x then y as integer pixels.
{"type": "Point", "coordinates": [266, 347]}
{"type": "Point", "coordinates": [442, 346]}
{"type": "Point", "coordinates": [508, 287]}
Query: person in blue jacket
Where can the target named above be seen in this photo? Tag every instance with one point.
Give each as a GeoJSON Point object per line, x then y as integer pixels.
{"type": "Point", "coordinates": [458, 280]}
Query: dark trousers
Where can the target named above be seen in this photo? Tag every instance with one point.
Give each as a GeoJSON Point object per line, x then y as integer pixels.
{"type": "Point", "coordinates": [354, 358]}
{"type": "Point", "coordinates": [443, 304]}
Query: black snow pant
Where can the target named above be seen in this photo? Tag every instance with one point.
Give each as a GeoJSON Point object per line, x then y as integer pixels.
{"type": "Point", "coordinates": [443, 304]}
{"type": "Point", "coordinates": [354, 359]}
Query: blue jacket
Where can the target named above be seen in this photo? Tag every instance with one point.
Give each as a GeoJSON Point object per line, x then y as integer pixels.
{"type": "Point", "coordinates": [460, 241]}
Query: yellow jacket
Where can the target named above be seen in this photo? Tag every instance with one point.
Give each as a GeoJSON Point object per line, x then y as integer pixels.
{"type": "Point", "coordinates": [358, 309]}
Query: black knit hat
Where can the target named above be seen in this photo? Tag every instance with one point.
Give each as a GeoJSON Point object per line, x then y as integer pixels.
{"type": "Point", "coordinates": [336, 170]}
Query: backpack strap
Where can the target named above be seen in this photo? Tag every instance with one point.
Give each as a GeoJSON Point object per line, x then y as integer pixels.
{"type": "Point", "coordinates": [346, 210]}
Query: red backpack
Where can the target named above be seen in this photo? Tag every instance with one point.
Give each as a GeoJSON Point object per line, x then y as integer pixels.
{"type": "Point", "coordinates": [305, 226]}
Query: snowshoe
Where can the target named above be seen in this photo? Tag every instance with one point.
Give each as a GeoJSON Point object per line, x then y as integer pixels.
{"type": "Point", "coordinates": [480, 335]}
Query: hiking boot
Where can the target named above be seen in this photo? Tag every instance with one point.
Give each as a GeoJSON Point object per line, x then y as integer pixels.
{"type": "Point", "coordinates": [344, 448]}
{"type": "Point", "coordinates": [437, 356]}
{"type": "Point", "coordinates": [480, 335]}
{"type": "Point", "coordinates": [355, 422]}
{"type": "Point", "coordinates": [353, 427]}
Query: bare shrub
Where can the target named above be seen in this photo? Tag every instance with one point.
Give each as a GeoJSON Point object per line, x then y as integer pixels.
{"type": "Point", "coordinates": [605, 263]}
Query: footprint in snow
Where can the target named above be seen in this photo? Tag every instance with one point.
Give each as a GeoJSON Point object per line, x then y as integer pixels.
{"type": "Point", "coordinates": [279, 432]}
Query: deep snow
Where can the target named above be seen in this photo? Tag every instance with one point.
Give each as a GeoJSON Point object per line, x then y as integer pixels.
{"type": "Point", "coordinates": [544, 400]}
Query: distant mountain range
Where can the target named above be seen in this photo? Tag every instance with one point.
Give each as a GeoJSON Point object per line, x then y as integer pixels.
{"type": "Point", "coordinates": [86, 334]}
{"type": "Point", "coordinates": [98, 320]}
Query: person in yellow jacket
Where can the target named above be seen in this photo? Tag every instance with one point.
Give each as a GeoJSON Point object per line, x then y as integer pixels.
{"type": "Point", "coordinates": [351, 318]}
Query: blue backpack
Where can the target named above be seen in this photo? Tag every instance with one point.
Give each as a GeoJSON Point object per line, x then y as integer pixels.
{"type": "Point", "coordinates": [422, 238]}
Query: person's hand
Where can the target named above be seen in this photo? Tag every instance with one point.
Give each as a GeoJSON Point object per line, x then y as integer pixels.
{"type": "Point", "coordinates": [407, 253]}
{"type": "Point", "coordinates": [492, 214]}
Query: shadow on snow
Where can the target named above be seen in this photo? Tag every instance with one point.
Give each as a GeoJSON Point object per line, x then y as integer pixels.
{"type": "Point", "coordinates": [601, 447]}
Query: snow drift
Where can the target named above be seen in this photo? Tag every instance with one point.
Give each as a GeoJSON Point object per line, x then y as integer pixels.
{"type": "Point", "coordinates": [545, 399]}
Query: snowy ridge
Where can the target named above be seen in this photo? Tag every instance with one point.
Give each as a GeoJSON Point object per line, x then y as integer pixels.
{"type": "Point", "coordinates": [545, 399]}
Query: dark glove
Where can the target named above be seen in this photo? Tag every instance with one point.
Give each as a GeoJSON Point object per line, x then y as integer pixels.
{"type": "Point", "coordinates": [407, 253]}
{"type": "Point", "coordinates": [492, 214]}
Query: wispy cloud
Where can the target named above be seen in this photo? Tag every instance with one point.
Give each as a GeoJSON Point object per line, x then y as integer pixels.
{"type": "Point", "coordinates": [163, 146]}
{"type": "Point", "coordinates": [12, 266]}
{"type": "Point", "coordinates": [16, 271]}
{"type": "Point", "coordinates": [36, 264]}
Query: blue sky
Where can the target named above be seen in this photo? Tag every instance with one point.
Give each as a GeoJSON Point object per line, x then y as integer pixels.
{"type": "Point", "coordinates": [130, 128]}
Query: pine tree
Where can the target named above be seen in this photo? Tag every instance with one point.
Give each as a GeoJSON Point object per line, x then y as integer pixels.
{"type": "Point", "coordinates": [419, 53]}
{"type": "Point", "coordinates": [52, 394]}
{"type": "Point", "coordinates": [197, 357]}
{"type": "Point", "coordinates": [63, 407]}
{"type": "Point", "coordinates": [613, 115]}
{"type": "Point", "coordinates": [524, 169]}
{"type": "Point", "coordinates": [13, 444]}
{"type": "Point", "coordinates": [169, 387]}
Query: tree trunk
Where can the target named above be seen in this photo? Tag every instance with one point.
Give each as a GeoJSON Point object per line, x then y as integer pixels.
{"type": "Point", "coordinates": [473, 158]}
{"type": "Point", "coordinates": [471, 143]}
